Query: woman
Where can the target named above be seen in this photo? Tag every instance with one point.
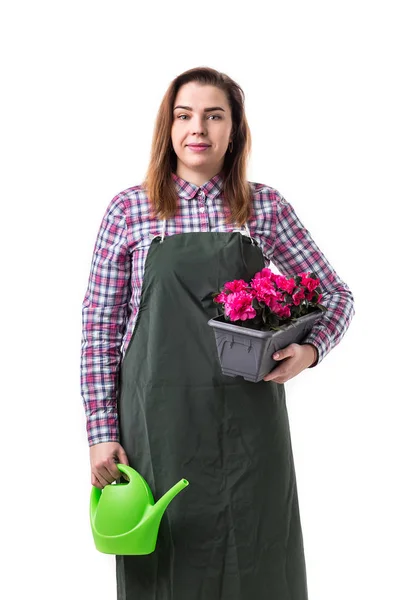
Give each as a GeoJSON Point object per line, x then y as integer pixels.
{"type": "Point", "coordinates": [152, 386]}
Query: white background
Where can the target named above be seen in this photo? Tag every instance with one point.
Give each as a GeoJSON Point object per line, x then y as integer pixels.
{"type": "Point", "coordinates": [81, 85]}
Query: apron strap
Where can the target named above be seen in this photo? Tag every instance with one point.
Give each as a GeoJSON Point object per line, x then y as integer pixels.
{"type": "Point", "coordinates": [247, 231]}
{"type": "Point", "coordinates": [164, 224]}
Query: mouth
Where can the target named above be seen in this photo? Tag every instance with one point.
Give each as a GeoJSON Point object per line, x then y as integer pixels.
{"type": "Point", "coordinates": [198, 147]}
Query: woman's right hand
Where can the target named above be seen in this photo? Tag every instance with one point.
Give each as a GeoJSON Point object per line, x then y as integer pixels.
{"type": "Point", "coordinates": [103, 459]}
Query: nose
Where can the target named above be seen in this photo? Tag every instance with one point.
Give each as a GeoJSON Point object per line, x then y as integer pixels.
{"type": "Point", "coordinates": [198, 125]}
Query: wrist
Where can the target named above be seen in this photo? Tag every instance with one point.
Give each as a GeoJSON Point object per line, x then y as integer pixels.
{"type": "Point", "coordinates": [313, 354]}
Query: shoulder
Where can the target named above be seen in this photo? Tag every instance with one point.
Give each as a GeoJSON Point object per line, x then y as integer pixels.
{"type": "Point", "coordinates": [261, 190]}
{"type": "Point", "coordinates": [131, 196]}
{"type": "Point", "coordinates": [265, 195]}
{"type": "Point", "coordinates": [130, 201]}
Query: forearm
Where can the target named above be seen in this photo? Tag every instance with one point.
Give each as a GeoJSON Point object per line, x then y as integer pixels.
{"type": "Point", "coordinates": [100, 362]}
{"type": "Point", "coordinates": [330, 328]}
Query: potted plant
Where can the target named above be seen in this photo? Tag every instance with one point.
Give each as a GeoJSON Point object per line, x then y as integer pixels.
{"type": "Point", "coordinates": [261, 317]}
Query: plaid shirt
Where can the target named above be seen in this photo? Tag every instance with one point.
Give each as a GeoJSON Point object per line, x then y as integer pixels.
{"type": "Point", "coordinates": [112, 298]}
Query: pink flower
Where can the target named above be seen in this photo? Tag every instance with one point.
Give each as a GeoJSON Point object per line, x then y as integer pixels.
{"type": "Point", "coordinates": [221, 298]}
{"type": "Point", "coordinates": [237, 285]}
{"type": "Point", "coordinates": [283, 311]}
{"type": "Point", "coordinates": [273, 299]}
{"type": "Point", "coordinates": [280, 296]}
{"type": "Point", "coordinates": [298, 297]}
{"type": "Point", "coordinates": [238, 306]}
{"type": "Point", "coordinates": [308, 282]}
{"type": "Point", "coordinates": [264, 288]}
{"type": "Point", "coordinates": [287, 285]}
{"type": "Point", "coordinates": [264, 274]}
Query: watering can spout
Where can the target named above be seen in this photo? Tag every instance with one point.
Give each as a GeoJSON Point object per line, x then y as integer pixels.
{"type": "Point", "coordinates": [160, 506]}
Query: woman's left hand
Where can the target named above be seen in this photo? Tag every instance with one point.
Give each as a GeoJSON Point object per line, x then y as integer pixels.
{"type": "Point", "coordinates": [296, 358]}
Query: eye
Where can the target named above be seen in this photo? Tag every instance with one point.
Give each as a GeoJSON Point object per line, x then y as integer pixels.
{"type": "Point", "coordinates": [185, 117]}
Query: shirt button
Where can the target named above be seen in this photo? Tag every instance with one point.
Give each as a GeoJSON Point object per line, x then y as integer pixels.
{"type": "Point", "coordinates": [202, 209]}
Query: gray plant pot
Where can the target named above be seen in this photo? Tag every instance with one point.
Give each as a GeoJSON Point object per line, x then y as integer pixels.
{"type": "Point", "coordinates": [248, 352]}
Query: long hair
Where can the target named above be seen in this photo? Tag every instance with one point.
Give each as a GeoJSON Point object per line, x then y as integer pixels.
{"type": "Point", "coordinates": [158, 182]}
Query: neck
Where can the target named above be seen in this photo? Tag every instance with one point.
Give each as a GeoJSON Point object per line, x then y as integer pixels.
{"type": "Point", "coordinates": [196, 177]}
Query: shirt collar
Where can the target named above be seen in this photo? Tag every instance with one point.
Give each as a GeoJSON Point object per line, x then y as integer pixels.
{"type": "Point", "coordinates": [189, 190]}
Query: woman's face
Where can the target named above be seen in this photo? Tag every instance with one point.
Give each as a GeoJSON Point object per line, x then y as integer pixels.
{"type": "Point", "coordinates": [201, 115]}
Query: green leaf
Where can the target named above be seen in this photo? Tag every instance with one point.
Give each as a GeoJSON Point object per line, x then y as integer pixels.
{"type": "Point", "coordinates": [274, 319]}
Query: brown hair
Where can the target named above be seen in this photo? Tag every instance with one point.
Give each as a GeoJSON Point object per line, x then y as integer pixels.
{"type": "Point", "coordinates": [158, 182]}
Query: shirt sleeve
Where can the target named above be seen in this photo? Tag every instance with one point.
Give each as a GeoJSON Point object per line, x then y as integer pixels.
{"type": "Point", "coordinates": [105, 312]}
{"type": "Point", "coordinates": [296, 252]}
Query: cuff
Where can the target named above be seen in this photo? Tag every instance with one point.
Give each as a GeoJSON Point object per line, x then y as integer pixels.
{"type": "Point", "coordinates": [102, 426]}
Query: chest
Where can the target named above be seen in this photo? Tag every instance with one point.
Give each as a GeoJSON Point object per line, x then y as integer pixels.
{"type": "Point", "coordinates": [205, 216]}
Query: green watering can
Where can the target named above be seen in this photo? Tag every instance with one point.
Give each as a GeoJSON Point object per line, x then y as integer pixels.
{"type": "Point", "coordinates": [124, 517]}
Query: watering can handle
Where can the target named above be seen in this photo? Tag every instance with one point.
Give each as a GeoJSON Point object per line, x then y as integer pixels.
{"type": "Point", "coordinates": [125, 469]}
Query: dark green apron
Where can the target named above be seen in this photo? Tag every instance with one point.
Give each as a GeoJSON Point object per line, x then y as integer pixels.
{"type": "Point", "coordinates": [234, 533]}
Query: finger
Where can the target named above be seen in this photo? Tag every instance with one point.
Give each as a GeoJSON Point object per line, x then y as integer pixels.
{"type": "Point", "coordinates": [111, 471]}
{"type": "Point", "coordinates": [122, 456]}
{"type": "Point", "coordinates": [123, 459]}
{"type": "Point", "coordinates": [102, 477]}
{"type": "Point", "coordinates": [96, 482]}
{"type": "Point", "coordinates": [107, 469]}
{"type": "Point", "coordinates": [273, 375]}
{"type": "Point", "coordinates": [279, 380]}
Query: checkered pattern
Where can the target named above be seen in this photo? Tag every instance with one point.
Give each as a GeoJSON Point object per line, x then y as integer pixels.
{"type": "Point", "coordinates": [112, 298]}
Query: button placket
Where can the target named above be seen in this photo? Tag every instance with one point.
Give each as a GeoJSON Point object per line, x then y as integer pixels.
{"type": "Point", "coordinates": [202, 210]}
{"type": "Point", "coordinates": [202, 201]}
